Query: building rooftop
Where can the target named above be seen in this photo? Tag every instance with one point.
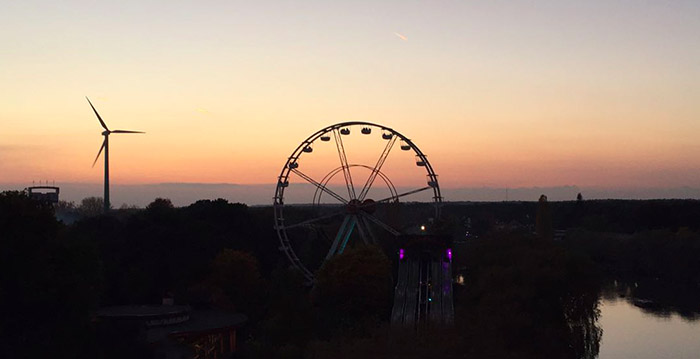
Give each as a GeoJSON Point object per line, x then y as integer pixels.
{"type": "Point", "coordinates": [142, 311]}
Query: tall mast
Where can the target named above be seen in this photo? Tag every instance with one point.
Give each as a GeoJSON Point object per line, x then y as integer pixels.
{"type": "Point", "coordinates": [106, 196]}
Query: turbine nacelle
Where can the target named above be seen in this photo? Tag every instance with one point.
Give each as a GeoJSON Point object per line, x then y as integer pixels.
{"type": "Point", "coordinates": [106, 132]}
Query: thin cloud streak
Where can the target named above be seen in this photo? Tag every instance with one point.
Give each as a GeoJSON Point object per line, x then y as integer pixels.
{"type": "Point", "coordinates": [404, 38]}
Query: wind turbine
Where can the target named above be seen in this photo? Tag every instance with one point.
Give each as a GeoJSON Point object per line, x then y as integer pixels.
{"type": "Point", "coordinates": [105, 147]}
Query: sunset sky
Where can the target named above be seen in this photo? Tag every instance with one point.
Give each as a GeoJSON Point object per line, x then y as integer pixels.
{"type": "Point", "coordinates": [496, 93]}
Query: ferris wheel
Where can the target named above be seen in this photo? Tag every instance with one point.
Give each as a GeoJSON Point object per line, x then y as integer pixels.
{"type": "Point", "coordinates": [335, 188]}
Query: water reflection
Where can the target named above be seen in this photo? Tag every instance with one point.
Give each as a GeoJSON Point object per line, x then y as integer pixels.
{"type": "Point", "coordinates": [656, 297]}
{"type": "Point", "coordinates": [632, 332]}
{"type": "Point", "coordinates": [649, 319]}
{"type": "Point", "coordinates": [641, 318]}
{"type": "Point", "coordinates": [582, 318]}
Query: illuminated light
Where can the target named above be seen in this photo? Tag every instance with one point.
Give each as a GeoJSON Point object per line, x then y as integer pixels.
{"type": "Point", "coordinates": [422, 227]}
{"type": "Point", "coordinates": [430, 299]}
{"type": "Point", "coordinates": [402, 253]}
{"type": "Point", "coordinates": [449, 254]}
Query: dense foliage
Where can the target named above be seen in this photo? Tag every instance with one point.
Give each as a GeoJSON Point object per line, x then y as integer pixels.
{"type": "Point", "coordinates": [163, 249]}
{"type": "Point", "coordinates": [354, 287]}
{"type": "Point", "coordinates": [48, 283]}
{"type": "Point", "coordinates": [523, 296]}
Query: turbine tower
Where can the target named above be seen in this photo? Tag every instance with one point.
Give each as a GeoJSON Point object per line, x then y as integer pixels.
{"type": "Point", "coordinates": [105, 147]}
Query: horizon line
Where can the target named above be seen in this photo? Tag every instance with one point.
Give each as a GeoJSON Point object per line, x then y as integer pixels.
{"type": "Point", "coordinates": [444, 187]}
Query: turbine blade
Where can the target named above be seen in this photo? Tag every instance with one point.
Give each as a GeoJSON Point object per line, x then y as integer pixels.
{"type": "Point", "coordinates": [125, 131]}
{"type": "Point", "coordinates": [100, 152]}
{"type": "Point", "coordinates": [98, 115]}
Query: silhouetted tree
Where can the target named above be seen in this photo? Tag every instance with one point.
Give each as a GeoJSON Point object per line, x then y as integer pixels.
{"type": "Point", "coordinates": [579, 197]}
{"type": "Point", "coordinates": [161, 209]}
{"type": "Point", "coordinates": [65, 206]}
{"type": "Point", "coordinates": [91, 206]}
{"type": "Point", "coordinates": [128, 207]}
{"type": "Point", "coordinates": [543, 221]}
{"type": "Point", "coordinates": [236, 282]}
{"type": "Point", "coordinates": [160, 204]}
{"type": "Point", "coordinates": [288, 324]}
{"type": "Point", "coordinates": [353, 287]}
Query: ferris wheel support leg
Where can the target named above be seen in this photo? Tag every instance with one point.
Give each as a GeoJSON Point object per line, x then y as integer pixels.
{"type": "Point", "coordinates": [353, 222]}
{"type": "Point", "coordinates": [366, 231]}
{"type": "Point", "coordinates": [361, 230]}
{"type": "Point", "coordinates": [338, 238]}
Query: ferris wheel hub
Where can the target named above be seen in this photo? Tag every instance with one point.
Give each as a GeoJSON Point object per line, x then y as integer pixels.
{"type": "Point", "coordinates": [355, 206]}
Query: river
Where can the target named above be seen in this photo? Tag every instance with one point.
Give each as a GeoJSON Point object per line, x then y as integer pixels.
{"type": "Point", "coordinates": [631, 332]}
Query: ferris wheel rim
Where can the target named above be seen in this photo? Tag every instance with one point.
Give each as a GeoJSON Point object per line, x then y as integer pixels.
{"type": "Point", "coordinates": [284, 174]}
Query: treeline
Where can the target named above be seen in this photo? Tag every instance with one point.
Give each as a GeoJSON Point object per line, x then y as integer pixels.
{"type": "Point", "coordinates": [659, 270]}
{"type": "Point", "coordinates": [163, 250]}
{"type": "Point", "coordinates": [671, 256]}
{"type": "Point", "coordinates": [618, 216]}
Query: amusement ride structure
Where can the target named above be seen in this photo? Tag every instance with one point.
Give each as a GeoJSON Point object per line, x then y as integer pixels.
{"type": "Point", "coordinates": [320, 208]}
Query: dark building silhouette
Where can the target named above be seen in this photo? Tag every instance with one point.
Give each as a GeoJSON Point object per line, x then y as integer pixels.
{"type": "Point", "coordinates": [172, 331]}
{"type": "Point", "coordinates": [44, 194]}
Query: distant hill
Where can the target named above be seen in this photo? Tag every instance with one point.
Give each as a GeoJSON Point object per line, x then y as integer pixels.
{"type": "Point", "coordinates": [183, 194]}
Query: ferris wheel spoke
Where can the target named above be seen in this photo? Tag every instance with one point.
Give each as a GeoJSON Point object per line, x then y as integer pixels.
{"type": "Point", "coordinates": [344, 163]}
{"type": "Point", "coordinates": [311, 221]}
{"type": "Point", "coordinates": [377, 168]}
{"type": "Point", "coordinates": [319, 185]}
{"type": "Point", "coordinates": [381, 224]}
{"type": "Point", "coordinates": [389, 199]}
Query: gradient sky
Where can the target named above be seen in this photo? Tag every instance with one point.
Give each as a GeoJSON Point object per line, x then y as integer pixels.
{"type": "Point", "coordinates": [497, 93]}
